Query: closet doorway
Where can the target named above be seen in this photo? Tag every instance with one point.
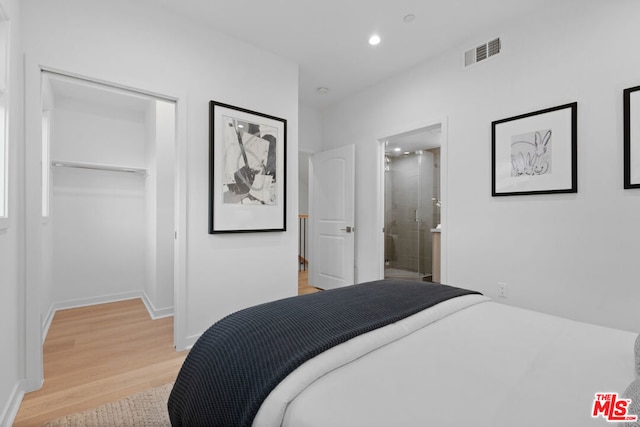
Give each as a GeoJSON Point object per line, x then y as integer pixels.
{"type": "Point", "coordinates": [108, 196]}
{"type": "Point", "coordinates": [412, 204]}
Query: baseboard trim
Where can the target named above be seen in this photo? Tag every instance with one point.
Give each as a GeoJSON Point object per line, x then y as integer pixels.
{"type": "Point", "coordinates": [8, 415]}
{"type": "Point", "coordinates": [85, 302]}
{"type": "Point", "coordinates": [190, 341]}
{"type": "Point", "coordinates": [156, 313]}
{"type": "Point", "coordinates": [46, 322]}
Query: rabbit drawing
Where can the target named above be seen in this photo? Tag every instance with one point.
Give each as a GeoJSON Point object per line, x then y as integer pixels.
{"type": "Point", "coordinates": [531, 158]}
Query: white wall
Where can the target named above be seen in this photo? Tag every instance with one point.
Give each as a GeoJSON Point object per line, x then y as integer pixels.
{"type": "Point", "coordinates": [98, 217]}
{"type": "Point", "coordinates": [46, 286]}
{"type": "Point", "coordinates": [160, 206]}
{"type": "Point", "coordinates": [310, 129]}
{"type": "Point", "coordinates": [11, 241]}
{"type": "Point", "coordinates": [310, 142]}
{"type": "Point", "coordinates": [165, 162]}
{"type": "Point", "coordinates": [151, 204]}
{"type": "Point", "coordinates": [138, 45]}
{"type": "Point", "coordinates": [574, 255]}
{"type": "Point", "coordinates": [303, 183]}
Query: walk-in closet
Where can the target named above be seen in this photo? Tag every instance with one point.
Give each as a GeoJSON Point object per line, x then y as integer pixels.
{"type": "Point", "coordinates": [108, 196]}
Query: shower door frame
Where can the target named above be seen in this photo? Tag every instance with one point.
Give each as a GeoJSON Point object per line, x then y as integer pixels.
{"type": "Point", "coordinates": [409, 188]}
{"type": "Point", "coordinates": [443, 122]}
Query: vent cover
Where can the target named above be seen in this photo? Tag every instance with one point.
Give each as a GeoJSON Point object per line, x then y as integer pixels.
{"type": "Point", "coordinates": [482, 52]}
{"type": "Point", "coordinates": [494, 47]}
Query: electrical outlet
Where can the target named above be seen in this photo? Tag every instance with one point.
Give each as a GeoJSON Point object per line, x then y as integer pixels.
{"type": "Point", "coordinates": [503, 290]}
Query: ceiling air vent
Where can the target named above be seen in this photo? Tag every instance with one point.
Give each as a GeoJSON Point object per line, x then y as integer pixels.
{"type": "Point", "coordinates": [482, 52]}
{"type": "Point", "coordinates": [494, 47]}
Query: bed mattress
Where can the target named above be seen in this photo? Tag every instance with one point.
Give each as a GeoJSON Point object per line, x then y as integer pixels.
{"type": "Point", "coordinates": [485, 365]}
{"type": "Point", "coordinates": [399, 353]}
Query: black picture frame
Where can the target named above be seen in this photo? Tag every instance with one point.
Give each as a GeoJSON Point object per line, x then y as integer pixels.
{"type": "Point", "coordinates": [535, 153]}
{"type": "Point", "coordinates": [247, 170]}
{"type": "Point", "coordinates": [631, 107]}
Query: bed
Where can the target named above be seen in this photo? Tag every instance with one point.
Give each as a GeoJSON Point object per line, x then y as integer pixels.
{"type": "Point", "coordinates": [399, 353]}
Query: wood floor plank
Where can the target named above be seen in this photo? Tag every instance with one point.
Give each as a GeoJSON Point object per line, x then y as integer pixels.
{"type": "Point", "coordinates": [303, 284]}
{"type": "Point", "coordinates": [98, 354]}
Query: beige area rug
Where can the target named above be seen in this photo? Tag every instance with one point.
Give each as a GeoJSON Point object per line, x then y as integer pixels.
{"type": "Point", "coordinates": [145, 409]}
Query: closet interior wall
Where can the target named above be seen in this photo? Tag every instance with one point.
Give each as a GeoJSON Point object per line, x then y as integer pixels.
{"type": "Point", "coordinates": [160, 207]}
{"type": "Point", "coordinates": [109, 234]}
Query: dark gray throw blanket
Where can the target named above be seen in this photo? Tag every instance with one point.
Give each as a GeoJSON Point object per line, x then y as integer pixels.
{"type": "Point", "coordinates": [239, 360]}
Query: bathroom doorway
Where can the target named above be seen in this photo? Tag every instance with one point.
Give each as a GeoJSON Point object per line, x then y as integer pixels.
{"type": "Point", "coordinates": [412, 204]}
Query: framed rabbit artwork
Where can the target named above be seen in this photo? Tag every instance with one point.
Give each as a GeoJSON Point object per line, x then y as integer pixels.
{"type": "Point", "coordinates": [535, 153]}
{"type": "Point", "coordinates": [631, 98]}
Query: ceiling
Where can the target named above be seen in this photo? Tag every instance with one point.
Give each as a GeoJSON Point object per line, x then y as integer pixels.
{"type": "Point", "coordinates": [417, 140]}
{"type": "Point", "coordinates": [329, 38]}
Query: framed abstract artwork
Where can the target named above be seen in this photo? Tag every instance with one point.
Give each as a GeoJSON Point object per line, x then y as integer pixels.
{"type": "Point", "coordinates": [535, 153]}
{"type": "Point", "coordinates": [631, 101]}
{"type": "Point", "coordinates": [247, 170]}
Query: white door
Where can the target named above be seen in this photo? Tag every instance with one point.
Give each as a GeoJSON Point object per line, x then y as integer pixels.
{"type": "Point", "coordinates": [332, 178]}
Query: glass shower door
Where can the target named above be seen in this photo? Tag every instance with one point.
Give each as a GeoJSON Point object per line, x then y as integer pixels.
{"type": "Point", "coordinates": [409, 194]}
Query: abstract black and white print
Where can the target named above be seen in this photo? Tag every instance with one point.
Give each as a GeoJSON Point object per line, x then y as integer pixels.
{"type": "Point", "coordinates": [531, 153]}
{"type": "Point", "coordinates": [250, 163]}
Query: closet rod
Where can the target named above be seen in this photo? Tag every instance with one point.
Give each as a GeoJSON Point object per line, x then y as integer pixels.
{"type": "Point", "coordinates": [99, 167]}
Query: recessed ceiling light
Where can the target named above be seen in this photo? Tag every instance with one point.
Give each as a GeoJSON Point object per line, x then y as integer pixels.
{"type": "Point", "coordinates": [374, 40]}
{"type": "Point", "coordinates": [409, 18]}
{"type": "Point", "coordinates": [397, 149]}
{"type": "Point", "coordinates": [323, 90]}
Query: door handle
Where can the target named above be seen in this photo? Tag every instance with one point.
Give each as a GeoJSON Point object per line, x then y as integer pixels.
{"type": "Point", "coordinates": [348, 229]}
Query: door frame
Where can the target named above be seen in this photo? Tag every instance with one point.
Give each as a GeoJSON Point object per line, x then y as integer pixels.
{"type": "Point", "coordinates": [31, 324]}
{"type": "Point", "coordinates": [444, 188]}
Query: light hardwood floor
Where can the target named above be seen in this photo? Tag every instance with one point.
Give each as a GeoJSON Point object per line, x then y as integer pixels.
{"type": "Point", "coordinates": [98, 354]}
{"type": "Point", "coordinates": [303, 284]}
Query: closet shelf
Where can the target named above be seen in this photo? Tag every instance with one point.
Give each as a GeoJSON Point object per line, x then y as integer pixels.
{"type": "Point", "coordinates": [111, 168]}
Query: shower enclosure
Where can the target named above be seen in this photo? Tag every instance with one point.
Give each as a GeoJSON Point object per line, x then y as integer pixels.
{"type": "Point", "coordinates": [412, 209]}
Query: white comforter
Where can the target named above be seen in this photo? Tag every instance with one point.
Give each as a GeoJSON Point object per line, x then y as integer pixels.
{"type": "Point", "coordinates": [465, 362]}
